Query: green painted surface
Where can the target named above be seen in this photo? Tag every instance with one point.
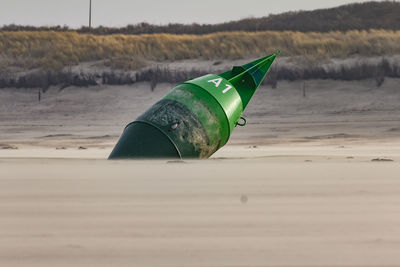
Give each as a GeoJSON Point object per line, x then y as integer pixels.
{"type": "Point", "coordinates": [224, 93]}
{"type": "Point", "coordinates": [142, 140]}
{"type": "Point", "coordinates": [247, 78]}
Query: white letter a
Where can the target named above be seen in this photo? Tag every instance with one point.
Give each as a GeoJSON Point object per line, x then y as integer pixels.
{"type": "Point", "coordinates": [217, 81]}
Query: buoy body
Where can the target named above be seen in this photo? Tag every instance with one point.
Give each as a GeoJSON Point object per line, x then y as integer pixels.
{"type": "Point", "coordinates": [195, 118]}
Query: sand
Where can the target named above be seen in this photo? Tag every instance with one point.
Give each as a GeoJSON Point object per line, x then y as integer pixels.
{"type": "Point", "coordinates": [331, 112]}
{"type": "Point", "coordinates": [293, 210]}
{"type": "Point", "coordinates": [310, 181]}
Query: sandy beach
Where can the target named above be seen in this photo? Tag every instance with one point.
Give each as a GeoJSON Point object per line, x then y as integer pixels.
{"type": "Point", "coordinates": [283, 210]}
{"type": "Point", "coordinates": [311, 181]}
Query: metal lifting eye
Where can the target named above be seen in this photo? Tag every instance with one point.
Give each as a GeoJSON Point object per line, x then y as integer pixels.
{"type": "Point", "coordinates": [174, 126]}
{"type": "Point", "coordinates": [241, 122]}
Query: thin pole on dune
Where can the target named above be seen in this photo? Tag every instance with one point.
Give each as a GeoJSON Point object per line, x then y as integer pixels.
{"type": "Point", "coordinates": [90, 14]}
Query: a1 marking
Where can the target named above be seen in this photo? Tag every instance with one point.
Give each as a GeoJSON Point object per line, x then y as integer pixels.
{"type": "Point", "coordinates": [217, 83]}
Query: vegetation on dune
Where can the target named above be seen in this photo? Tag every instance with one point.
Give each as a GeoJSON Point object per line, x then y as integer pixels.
{"type": "Point", "coordinates": [376, 70]}
{"type": "Point", "coordinates": [357, 16]}
{"type": "Point", "coordinates": [55, 50]}
{"type": "Point", "coordinates": [38, 56]}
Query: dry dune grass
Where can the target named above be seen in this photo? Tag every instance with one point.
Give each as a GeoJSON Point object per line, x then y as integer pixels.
{"type": "Point", "coordinates": [54, 50]}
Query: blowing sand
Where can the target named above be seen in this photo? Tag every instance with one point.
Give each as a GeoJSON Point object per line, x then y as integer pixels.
{"type": "Point", "coordinates": [311, 181]}
{"type": "Point", "coordinates": [275, 211]}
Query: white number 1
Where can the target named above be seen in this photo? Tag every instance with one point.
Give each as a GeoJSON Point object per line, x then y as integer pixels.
{"type": "Point", "coordinates": [228, 87]}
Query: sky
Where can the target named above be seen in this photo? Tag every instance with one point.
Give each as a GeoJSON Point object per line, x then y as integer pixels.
{"type": "Point", "coordinates": [74, 13]}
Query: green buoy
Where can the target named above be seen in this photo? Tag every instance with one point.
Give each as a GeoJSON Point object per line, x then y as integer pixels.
{"type": "Point", "coordinates": [196, 118]}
